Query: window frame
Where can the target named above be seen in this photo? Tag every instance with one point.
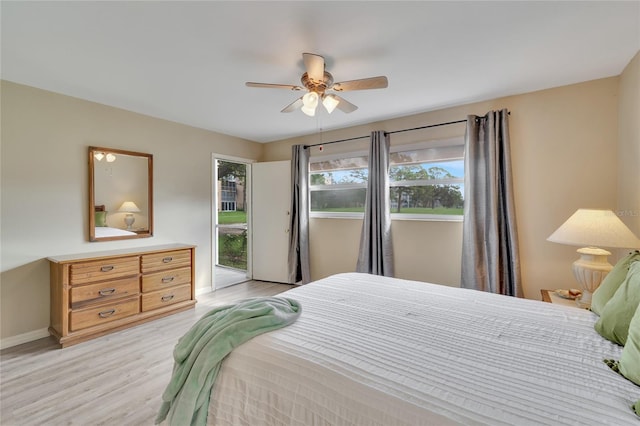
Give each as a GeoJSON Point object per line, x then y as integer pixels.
{"type": "Point", "coordinates": [453, 141]}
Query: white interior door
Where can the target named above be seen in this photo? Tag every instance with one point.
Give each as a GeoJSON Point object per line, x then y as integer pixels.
{"type": "Point", "coordinates": [271, 199]}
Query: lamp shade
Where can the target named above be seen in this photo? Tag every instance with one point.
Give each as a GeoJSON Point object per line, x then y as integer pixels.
{"type": "Point", "coordinates": [595, 228]}
{"type": "Point", "coordinates": [129, 207]}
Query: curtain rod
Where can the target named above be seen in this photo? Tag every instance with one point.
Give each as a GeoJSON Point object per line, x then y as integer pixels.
{"type": "Point", "coordinates": [390, 133]}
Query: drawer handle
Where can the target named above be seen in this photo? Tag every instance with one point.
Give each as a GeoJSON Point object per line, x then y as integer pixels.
{"type": "Point", "coordinates": [167, 259]}
{"type": "Point", "coordinates": [105, 314]}
{"type": "Point", "coordinates": [167, 298]}
{"type": "Point", "coordinates": [168, 279]}
{"type": "Point", "coordinates": [107, 268]}
{"type": "Point", "coordinates": [107, 291]}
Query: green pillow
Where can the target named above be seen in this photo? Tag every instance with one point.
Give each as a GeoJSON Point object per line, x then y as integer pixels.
{"type": "Point", "coordinates": [636, 408]}
{"type": "Point", "coordinates": [612, 281]}
{"type": "Point", "coordinates": [614, 320]}
{"type": "Point", "coordinates": [629, 365]}
{"type": "Point", "coordinates": [101, 218]}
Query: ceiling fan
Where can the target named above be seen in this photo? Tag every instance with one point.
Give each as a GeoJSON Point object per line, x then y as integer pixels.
{"type": "Point", "coordinates": [317, 81]}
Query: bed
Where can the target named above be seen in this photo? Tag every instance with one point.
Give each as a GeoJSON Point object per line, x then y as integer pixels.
{"type": "Point", "coordinates": [107, 231]}
{"type": "Point", "coordinates": [370, 350]}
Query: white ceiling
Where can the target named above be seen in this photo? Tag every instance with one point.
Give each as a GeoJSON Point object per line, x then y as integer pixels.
{"type": "Point", "coordinates": [188, 61]}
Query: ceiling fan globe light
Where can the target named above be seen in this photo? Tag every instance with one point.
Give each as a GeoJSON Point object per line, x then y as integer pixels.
{"type": "Point", "coordinates": [330, 103]}
{"type": "Point", "coordinates": [310, 100]}
{"type": "Point", "coordinates": [310, 111]}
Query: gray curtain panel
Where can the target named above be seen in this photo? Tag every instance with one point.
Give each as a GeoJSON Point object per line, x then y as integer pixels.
{"type": "Point", "coordinates": [490, 258]}
{"type": "Point", "coordinates": [299, 264]}
{"type": "Point", "coordinates": [376, 249]}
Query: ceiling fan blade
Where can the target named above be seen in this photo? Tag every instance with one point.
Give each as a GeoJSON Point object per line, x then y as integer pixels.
{"type": "Point", "coordinates": [379, 82]}
{"type": "Point", "coordinates": [293, 105]}
{"type": "Point", "coordinates": [344, 105]}
{"type": "Point", "coordinates": [273, 86]}
{"type": "Point", "coordinates": [314, 65]}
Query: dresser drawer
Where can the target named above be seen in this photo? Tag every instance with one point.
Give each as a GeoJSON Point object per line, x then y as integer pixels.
{"type": "Point", "coordinates": [99, 270]}
{"type": "Point", "coordinates": [101, 292]}
{"type": "Point", "coordinates": [84, 318]}
{"type": "Point", "coordinates": [167, 260]}
{"type": "Point", "coordinates": [166, 279]}
{"type": "Point", "coordinates": [159, 299]}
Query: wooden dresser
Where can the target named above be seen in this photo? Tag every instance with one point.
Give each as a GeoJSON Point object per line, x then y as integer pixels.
{"type": "Point", "coordinates": [98, 293]}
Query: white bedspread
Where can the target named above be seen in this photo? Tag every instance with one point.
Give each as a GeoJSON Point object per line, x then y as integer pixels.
{"type": "Point", "coordinates": [370, 350]}
{"type": "Point", "coordinates": [105, 231]}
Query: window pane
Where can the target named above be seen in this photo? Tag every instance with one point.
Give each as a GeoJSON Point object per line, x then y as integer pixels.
{"type": "Point", "coordinates": [339, 185]}
{"type": "Point", "coordinates": [428, 181]}
{"type": "Point", "coordinates": [423, 181]}
{"type": "Point", "coordinates": [344, 200]}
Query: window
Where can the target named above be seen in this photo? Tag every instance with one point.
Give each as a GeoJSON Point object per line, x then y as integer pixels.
{"type": "Point", "coordinates": [426, 182]}
{"type": "Point", "coordinates": [228, 194]}
{"type": "Point", "coordinates": [338, 185]}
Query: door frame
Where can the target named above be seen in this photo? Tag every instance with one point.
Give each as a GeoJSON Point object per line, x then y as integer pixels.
{"type": "Point", "coordinates": [214, 212]}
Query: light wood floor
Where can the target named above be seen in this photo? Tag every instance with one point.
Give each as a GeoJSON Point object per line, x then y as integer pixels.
{"type": "Point", "coordinates": [113, 380]}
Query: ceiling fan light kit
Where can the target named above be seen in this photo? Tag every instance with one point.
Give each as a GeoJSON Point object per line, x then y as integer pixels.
{"type": "Point", "coordinates": [309, 103]}
{"type": "Point", "coordinates": [316, 80]}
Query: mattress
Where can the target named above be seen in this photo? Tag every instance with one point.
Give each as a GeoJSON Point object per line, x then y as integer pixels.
{"type": "Point", "coordinates": [105, 231]}
{"type": "Point", "coordinates": [370, 350]}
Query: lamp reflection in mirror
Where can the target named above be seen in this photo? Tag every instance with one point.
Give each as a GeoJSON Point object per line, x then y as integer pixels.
{"type": "Point", "coordinates": [591, 229]}
{"type": "Point", "coordinates": [130, 208]}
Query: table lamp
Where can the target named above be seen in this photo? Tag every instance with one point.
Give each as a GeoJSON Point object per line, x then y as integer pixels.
{"type": "Point", "coordinates": [591, 229]}
{"type": "Point", "coordinates": [130, 208]}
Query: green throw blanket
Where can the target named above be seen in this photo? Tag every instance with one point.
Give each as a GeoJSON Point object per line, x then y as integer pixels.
{"type": "Point", "coordinates": [200, 352]}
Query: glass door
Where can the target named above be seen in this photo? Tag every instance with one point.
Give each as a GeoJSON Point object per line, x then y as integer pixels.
{"type": "Point", "coordinates": [231, 239]}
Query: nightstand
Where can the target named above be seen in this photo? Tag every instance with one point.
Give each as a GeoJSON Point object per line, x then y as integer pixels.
{"type": "Point", "coordinates": [550, 296]}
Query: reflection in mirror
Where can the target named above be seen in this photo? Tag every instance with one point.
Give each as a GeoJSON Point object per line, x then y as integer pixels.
{"type": "Point", "coordinates": [120, 194]}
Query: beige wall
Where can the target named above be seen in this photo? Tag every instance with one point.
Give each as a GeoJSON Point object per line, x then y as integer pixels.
{"type": "Point", "coordinates": [564, 151]}
{"type": "Point", "coordinates": [629, 146]}
{"type": "Point", "coordinates": [564, 154]}
{"type": "Point", "coordinates": [44, 191]}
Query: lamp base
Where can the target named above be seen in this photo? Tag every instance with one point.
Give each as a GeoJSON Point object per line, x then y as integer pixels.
{"type": "Point", "coordinates": [128, 220]}
{"type": "Point", "coordinates": [589, 271]}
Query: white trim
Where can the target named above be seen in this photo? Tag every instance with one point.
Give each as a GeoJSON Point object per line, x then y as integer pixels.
{"type": "Point", "coordinates": [425, 217]}
{"type": "Point", "coordinates": [30, 336]}
{"type": "Point", "coordinates": [336, 215]}
{"type": "Point", "coordinates": [232, 159]}
{"type": "Point", "coordinates": [426, 182]}
{"type": "Point", "coordinates": [214, 207]}
{"type": "Point", "coordinates": [394, 216]}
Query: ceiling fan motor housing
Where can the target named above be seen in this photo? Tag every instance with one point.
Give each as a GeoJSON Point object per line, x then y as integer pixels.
{"type": "Point", "coordinates": [317, 86]}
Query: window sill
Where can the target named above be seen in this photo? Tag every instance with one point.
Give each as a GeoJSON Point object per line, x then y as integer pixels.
{"type": "Point", "coordinates": [394, 217]}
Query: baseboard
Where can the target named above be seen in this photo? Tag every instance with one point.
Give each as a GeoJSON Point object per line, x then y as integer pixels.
{"type": "Point", "coordinates": [203, 290]}
{"type": "Point", "coordinates": [23, 338]}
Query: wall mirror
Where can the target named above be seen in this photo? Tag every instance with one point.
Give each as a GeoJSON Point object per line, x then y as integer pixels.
{"type": "Point", "coordinates": [120, 194]}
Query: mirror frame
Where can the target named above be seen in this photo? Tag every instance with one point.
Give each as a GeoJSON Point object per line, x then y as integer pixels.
{"type": "Point", "coordinates": [92, 220]}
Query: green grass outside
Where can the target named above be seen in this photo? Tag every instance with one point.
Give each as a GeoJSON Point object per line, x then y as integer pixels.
{"type": "Point", "coordinates": [233, 251]}
{"type": "Point", "coordinates": [226, 218]}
